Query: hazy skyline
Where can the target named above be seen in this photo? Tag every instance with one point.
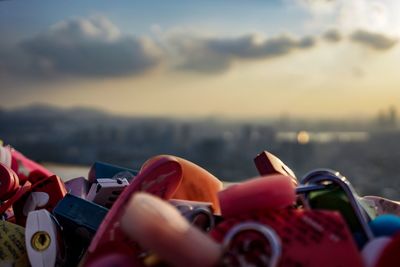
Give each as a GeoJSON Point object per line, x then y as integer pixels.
{"type": "Point", "coordinates": [306, 58]}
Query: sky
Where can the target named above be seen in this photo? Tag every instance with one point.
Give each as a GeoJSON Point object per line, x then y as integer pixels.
{"type": "Point", "coordinates": [235, 59]}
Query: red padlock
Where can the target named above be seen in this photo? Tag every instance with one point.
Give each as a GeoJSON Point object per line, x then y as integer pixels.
{"type": "Point", "coordinates": [161, 178]}
{"type": "Point", "coordinates": [10, 189]}
{"type": "Point", "coordinates": [44, 194]}
{"type": "Point", "coordinates": [268, 164]}
{"type": "Point", "coordinates": [389, 256]}
{"type": "Point", "coordinates": [25, 168]}
{"type": "Point", "coordinates": [115, 260]}
{"type": "Point", "coordinates": [308, 237]}
{"type": "Point", "coordinates": [9, 182]}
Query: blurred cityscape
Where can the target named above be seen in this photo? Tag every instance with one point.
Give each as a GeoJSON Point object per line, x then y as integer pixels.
{"type": "Point", "coordinates": [365, 151]}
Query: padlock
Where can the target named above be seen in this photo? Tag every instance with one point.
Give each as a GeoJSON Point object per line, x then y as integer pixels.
{"type": "Point", "coordinates": [51, 189]}
{"type": "Point", "coordinates": [22, 190]}
{"type": "Point", "coordinates": [79, 216]}
{"type": "Point", "coordinates": [389, 257]}
{"type": "Point", "coordinates": [385, 225]}
{"type": "Point", "coordinates": [311, 238]}
{"type": "Point", "coordinates": [43, 240]}
{"type": "Point", "coordinates": [197, 183]}
{"type": "Point", "coordinates": [80, 219]}
{"type": "Point", "coordinates": [106, 170]}
{"type": "Point", "coordinates": [52, 186]}
{"type": "Point", "coordinates": [106, 191]}
{"type": "Point", "coordinates": [197, 213]}
{"type": "Point", "coordinates": [34, 201]}
{"type": "Point", "coordinates": [251, 244]}
{"type": "Point", "coordinates": [9, 182]}
{"type": "Point", "coordinates": [262, 193]}
{"type": "Point", "coordinates": [12, 245]}
{"type": "Point", "coordinates": [368, 206]}
{"type": "Point", "coordinates": [115, 260]}
{"type": "Point", "coordinates": [5, 155]}
{"type": "Point", "coordinates": [78, 186]}
{"type": "Point", "coordinates": [268, 164]}
{"type": "Point", "coordinates": [25, 168]}
{"type": "Point", "coordinates": [161, 178]}
{"type": "Point", "coordinates": [383, 205]}
{"type": "Point", "coordinates": [18, 195]}
{"type": "Point", "coordinates": [372, 251]}
{"type": "Point", "coordinates": [338, 194]}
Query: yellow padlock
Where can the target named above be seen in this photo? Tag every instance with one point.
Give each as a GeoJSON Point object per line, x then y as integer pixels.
{"type": "Point", "coordinates": [12, 245]}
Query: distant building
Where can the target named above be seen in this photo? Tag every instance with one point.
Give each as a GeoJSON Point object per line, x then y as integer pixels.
{"type": "Point", "coordinates": [387, 120]}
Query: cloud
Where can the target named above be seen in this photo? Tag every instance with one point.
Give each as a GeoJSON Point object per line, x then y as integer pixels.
{"type": "Point", "coordinates": [376, 41]}
{"type": "Point", "coordinates": [373, 15]}
{"type": "Point", "coordinates": [332, 36]}
{"type": "Point", "coordinates": [95, 47]}
{"type": "Point", "coordinates": [81, 47]}
{"type": "Point", "coordinates": [318, 6]}
{"type": "Point", "coordinates": [214, 55]}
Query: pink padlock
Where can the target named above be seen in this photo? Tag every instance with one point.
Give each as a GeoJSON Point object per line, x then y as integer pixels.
{"type": "Point", "coordinates": [258, 194]}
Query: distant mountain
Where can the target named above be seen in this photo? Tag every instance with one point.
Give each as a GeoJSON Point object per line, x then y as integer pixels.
{"type": "Point", "coordinates": [43, 112]}
{"type": "Point", "coordinates": [49, 111]}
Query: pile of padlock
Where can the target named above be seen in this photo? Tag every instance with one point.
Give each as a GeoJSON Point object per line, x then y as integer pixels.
{"type": "Point", "coordinates": [172, 212]}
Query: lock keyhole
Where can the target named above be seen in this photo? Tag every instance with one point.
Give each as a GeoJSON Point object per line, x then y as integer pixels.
{"type": "Point", "coordinates": [40, 241]}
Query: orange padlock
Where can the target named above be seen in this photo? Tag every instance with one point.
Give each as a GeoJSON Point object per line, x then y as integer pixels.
{"type": "Point", "coordinates": [197, 183]}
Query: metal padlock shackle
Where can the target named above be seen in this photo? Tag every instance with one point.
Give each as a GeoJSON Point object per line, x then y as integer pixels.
{"type": "Point", "coordinates": [268, 233]}
{"type": "Point", "coordinates": [313, 180]}
{"type": "Point", "coordinates": [192, 211]}
{"type": "Point", "coordinates": [192, 214]}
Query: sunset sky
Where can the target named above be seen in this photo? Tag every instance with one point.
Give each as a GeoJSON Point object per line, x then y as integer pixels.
{"type": "Point", "coordinates": [236, 59]}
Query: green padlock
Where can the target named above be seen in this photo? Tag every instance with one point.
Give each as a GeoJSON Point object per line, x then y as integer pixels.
{"type": "Point", "coordinates": [337, 194]}
{"type": "Point", "coordinates": [333, 198]}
